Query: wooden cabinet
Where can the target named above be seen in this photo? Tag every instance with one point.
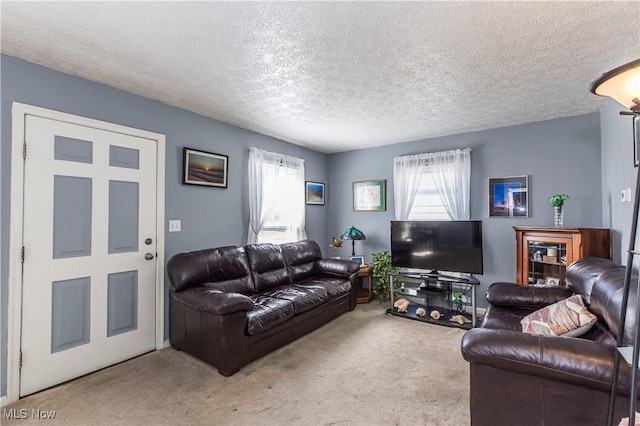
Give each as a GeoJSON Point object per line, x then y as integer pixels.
{"type": "Point", "coordinates": [543, 254]}
{"type": "Point", "coordinates": [365, 294]}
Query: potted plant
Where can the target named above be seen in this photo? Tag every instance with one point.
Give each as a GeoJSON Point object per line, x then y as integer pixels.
{"type": "Point", "coordinates": [557, 201]}
{"type": "Point", "coordinates": [381, 265]}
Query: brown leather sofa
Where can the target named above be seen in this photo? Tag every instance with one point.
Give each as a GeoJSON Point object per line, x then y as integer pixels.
{"type": "Point", "coordinates": [523, 379]}
{"type": "Point", "coordinates": [231, 305]}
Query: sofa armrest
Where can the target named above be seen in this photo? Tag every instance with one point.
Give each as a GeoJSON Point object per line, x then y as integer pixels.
{"type": "Point", "coordinates": [511, 294]}
{"type": "Point", "coordinates": [214, 301]}
{"type": "Point", "coordinates": [336, 267]}
{"type": "Point", "coordinates": [565, 359]}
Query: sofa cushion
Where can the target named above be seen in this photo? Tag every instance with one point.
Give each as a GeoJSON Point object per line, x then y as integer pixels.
{"type": "Point", "coordinates": [568, 318]}
{"type": "Point", "coordinates": [267, 266]}
{"type": "Point", "coordinates": [582, 274]}
{"type": "Point", "coordinates": [529, 296]}
{"type": "Point", "coordinates": [267, 313]}
{"type": "Point", "coordinates": [335, 287]}
{"type": "Point", "coordinates": [302, 297]}
{"type": "Point", "coordinates": [223, 268]}
{"type": "Point", "coordinates": [300, 258]}
{"type": "Point", "coordinates": [606, 301]}
{"type": "Point", "coordinates": [505, 318]}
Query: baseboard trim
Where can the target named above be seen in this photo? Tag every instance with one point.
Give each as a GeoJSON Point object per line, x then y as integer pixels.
{"type": "Point", "coordinates": [3, 400]}
{"type": "Point", "coordinates": [166, 344]}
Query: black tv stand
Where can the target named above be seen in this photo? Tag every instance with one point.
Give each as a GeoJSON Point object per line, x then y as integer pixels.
{"type": "Point", "coordinates": [434, 275]}
{"type": "Point", "coordinates": [421, 289]}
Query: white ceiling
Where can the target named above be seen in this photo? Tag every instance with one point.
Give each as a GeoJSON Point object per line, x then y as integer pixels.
{"type": "Point", "coordinates": [337, 76]}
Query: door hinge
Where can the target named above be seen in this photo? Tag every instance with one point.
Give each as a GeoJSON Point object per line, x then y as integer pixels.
{"type": "Point", "coordinates": [22, 254]}
{"type": "Point", "coordinates": [24, 150]}
{"type": "Point", "coordinates": [20, 360]}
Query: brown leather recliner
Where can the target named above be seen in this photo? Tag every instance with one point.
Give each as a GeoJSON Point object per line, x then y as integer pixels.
{"type": "Point", "coordinates": [231, 305]}
{"type": "Point", "coordinates": [524, 379]}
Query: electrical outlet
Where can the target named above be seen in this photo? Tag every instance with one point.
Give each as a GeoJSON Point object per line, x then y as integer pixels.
{"type": "Point", "coordinates": [625, 195]}
{"type": "Point", "coordinates": [175, 226]}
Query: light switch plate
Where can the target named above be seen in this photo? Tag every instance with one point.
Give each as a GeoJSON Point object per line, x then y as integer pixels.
{"type": "Point", "coordinates": [625, 195]}
{"type": "Point", "coordinates": [175, 226]}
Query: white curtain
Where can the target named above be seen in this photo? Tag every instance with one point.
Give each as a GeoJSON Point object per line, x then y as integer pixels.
{"type": "Point", "coordinates": [407, 174]}
{"type": "Point", "coordinates": [451, 173]}
{"type": "Point", "coordinates": [276, 196]}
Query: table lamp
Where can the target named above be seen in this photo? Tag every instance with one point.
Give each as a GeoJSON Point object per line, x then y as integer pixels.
{"type": "Point", "coordinates": [353, 234]}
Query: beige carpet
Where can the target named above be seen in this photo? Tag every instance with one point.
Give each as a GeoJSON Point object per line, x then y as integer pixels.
{"type": "Point", "coordinates": [364, 368]}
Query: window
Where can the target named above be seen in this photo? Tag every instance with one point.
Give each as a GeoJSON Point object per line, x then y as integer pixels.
{"type": "Point", "coordinates": [276, 198]}
{"type": "Point", "coordinates": [428, 204]}
{"type": "Point", "coordinates": [433, 186]}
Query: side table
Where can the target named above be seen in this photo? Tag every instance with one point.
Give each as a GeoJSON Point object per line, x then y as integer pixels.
{"type": "Point", "coordinates": [365, 294]}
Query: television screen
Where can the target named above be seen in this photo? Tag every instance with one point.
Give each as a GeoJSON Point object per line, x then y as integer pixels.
{"type": "Point", "coordinates": [453, 246]}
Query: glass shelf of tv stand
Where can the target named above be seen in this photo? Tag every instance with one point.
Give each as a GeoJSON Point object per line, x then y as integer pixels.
{"type": "Point", "coordinates": [435, 294]}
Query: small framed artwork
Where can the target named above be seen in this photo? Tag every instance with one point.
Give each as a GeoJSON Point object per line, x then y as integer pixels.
{"type": "Point", "coordinates": [552, 281]}
{"type": "Point", "coordinates": [636, 140]}
{"type": "Point", "coordinates": [508, 196]}
{"type": "Point", "coordinates": [314, 193]}
{"type": "Point", "coordinates": [205, 168]}
{"type": "Point", "coordinates": [359, 258]}
{"type": "Point", "coordinates": [369, 195]}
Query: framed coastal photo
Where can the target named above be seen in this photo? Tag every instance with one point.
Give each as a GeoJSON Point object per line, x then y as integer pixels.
{"type": "Point", "coordinates": [369, 195]}
{"type": "Point", "coordinates": [508, 196]}
{"type": "Point", "coordinates": [359, 258]}
{"type": "Point", "coordinates": [314, 193]}
{"type": "Point", "coordinates": [205, 168]}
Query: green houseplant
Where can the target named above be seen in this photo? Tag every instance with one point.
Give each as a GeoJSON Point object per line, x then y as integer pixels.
{"type": "Point", "coordinates": [381, 265]}
{"type": "Point", "coordinates": [557, 201]}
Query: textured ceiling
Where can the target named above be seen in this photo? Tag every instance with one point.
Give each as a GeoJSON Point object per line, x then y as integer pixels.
{"type": "Point", "coordinates": [336, 76]}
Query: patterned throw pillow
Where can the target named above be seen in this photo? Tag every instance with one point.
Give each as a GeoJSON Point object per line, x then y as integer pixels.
{"type": "Point", "coordinates": [567, 318]}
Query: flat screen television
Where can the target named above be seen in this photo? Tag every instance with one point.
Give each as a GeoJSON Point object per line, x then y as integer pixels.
{"type": "Point", "coordinates": [453, 246]}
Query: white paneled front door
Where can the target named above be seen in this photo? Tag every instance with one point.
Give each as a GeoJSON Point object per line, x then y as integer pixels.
{"type": "Point", "coordinates": [89, 236]}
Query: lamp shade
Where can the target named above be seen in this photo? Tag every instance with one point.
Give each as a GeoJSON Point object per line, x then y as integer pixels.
{"type": "Point", "coordinates": [353, 233]}
{"type": "Point", "coordinates": [622, 84]}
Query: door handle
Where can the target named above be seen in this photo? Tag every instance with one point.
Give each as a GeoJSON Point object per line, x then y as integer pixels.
{"type": "Point", "coordinates": [148, 256]}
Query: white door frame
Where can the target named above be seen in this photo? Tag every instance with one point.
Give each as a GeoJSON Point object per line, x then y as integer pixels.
{"type": "Point", "coordinates": [14, 317]}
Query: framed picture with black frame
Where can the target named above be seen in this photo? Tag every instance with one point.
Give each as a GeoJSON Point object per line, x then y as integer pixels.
{"type": "Point", "coordinates": [508, 196]}
{"type": "Point", "coordinates": [314, 193]}
{"type": "Point", "coordinates": [205, 168]}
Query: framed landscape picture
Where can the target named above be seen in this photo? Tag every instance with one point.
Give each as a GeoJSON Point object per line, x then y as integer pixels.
{"type": "Point", "coordinates": [359, 258]}
{"type": "Point", "coordinates": [314, 193]}
{"type": "Point", "coordinates": [369, 195]}
{"type": "Point", "coordinates": [205, 168]}
{"type": "Point", "coordinates": [508, 196]}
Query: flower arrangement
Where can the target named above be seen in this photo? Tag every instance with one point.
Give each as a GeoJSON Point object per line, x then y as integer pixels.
{"type": "Point", "coordinates": [558, 199]}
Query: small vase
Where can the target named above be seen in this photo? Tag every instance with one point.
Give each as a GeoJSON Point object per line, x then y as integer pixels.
{"type": "Point", "coordinates": [558, 216]}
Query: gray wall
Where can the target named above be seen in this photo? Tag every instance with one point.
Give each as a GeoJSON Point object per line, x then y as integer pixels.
{"type": "Point", "coordinates": [618, 173]}
{"type": "Point", "coordinates": [210, 216]}
{"type": "Point", "coordinates": [559, 156]}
